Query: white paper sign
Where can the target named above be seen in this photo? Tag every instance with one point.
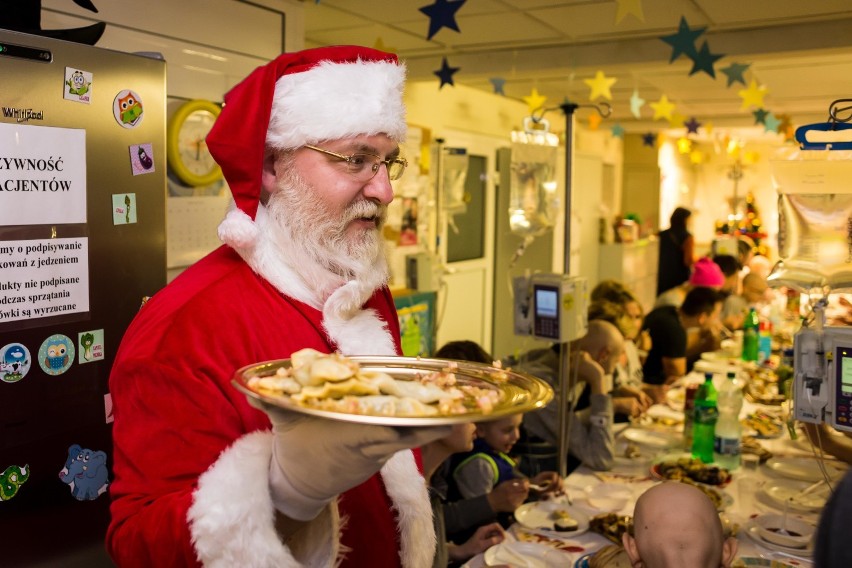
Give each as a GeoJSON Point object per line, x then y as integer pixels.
{"type": "Point", "coordinates": [42, 175]}
{"type": "Point", "coordinates": [43, 277]}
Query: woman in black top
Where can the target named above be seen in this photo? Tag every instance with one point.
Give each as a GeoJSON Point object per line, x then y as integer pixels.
{"type": "Point", "coordinates": [676, 250]}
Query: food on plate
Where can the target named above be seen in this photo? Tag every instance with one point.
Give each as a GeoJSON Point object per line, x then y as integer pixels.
{"type": "Point", "coordinates": [762, 387]}
{"type": "Point", "coordinates": [766, 425]}
{"type": "Point", "coordinates": [563, 521]}
{"type": "Point", "coordinates": [524, 535]}
{"type": "Point", "coordinates": [611, 525]}
{"type": "Point", "coordinates": [714, 495]}
{"type": "Point", "coordinates": [752, 446]}
{"type": "Point", "coordinates": [693, 469]}
{"type": "Point", "coordinates": [335, 383]}
{"type": "Point", "coordinates": [610, 556]}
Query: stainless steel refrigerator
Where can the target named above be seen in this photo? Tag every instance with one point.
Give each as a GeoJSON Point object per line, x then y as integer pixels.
{"type": "Point", "coordinates": [82, 242]}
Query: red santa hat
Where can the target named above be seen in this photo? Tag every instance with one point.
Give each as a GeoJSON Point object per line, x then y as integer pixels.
{"type": "Point", "coordinates": [301, 98]}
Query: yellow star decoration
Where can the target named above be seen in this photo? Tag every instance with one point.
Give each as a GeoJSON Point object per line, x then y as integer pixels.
{"type": "Point", "coordinates": [751, 157]}
{"type": "Point", "coordinates": [677, 120]}
{"type": "Point", "coordinates": [380, 45]}
{"type": "Point", "coordinates": [696, 157]}
{"type": "Point", "coordinates": [663, 108]}
{"type": "Point", "coordinates": [752, 96]}
{"type": "Point", "coordinates": [534, 101]}
{"type": "Point", "coordinates": [600, 86]}
{"type": "Point", "coordinates": [594, 121]}
{"type": "Point", "coordinates": [684, 145]}
{"type": "Point", "coordinates": [629, 7]}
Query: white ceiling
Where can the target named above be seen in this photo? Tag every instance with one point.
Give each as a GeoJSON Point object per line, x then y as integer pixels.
{"type": "Point", "coordinates": [801, 51]}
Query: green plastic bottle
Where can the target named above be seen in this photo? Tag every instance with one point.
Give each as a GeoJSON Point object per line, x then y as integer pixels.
{"type": "Point", "coordinates": [704, 423]}
{"type": "Point", "coordinates": [751, 336]}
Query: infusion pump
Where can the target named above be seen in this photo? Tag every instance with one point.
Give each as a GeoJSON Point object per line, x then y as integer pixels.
{"type": "Point", "coordinates": [552, 307]}
{"type": "Point", "coordinates": [823, 376]}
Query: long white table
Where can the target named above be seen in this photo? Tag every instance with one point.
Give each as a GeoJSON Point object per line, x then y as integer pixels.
{"type": "Point", "coordinates": [635, 474]}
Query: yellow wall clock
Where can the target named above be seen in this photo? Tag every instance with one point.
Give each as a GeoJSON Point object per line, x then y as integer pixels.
{"type": "Point", "coordinates": [187, 151]}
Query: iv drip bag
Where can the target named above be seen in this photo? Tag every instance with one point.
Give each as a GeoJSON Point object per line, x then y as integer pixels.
{"type": "Point", "coordinates": [814, 219]}
{"type": "Point", "coordinates": [533, 201]}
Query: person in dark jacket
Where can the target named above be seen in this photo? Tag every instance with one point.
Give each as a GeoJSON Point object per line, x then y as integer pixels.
{"type": "Point", "coordinates": [676, 251]}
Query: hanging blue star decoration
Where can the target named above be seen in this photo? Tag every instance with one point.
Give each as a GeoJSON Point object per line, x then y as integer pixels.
{"type": "Point", "coordinates": [649, 139]}
{"type": "Point", "coordinates": [445, 73]}
{"type": "Point", "coordinates": [442, 14]}
{"type": "Point", "coordinates": [617, 131]}
{"type": "Point", "coordinates": [735, 71]}
{"type": "Point", "coordinates": [760, 116]}
{"type": "Point", "coordinates": [692, 126]}
{"type": "Point", "coordinates": [703, 61]}
{"type": "Point", "coordinates": [771, 123]}
{"type": "Point", "coordinates": [497, 83]}
{"type": "Point", "coordinates": [683, 42]}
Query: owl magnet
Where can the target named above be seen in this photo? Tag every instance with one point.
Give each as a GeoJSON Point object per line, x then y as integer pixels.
{"type": "Point", "coordinates": [56, 354]}
{"type": "Point", "coordinates": [127, 109]}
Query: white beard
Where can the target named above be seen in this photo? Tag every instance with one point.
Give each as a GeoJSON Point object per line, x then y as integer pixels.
{"type": "Point", "coordinates": [314, 242]}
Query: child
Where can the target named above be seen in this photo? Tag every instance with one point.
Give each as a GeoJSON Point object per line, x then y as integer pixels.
{"type": "Point", "coordinates": [484, 536]}
{"type": "Point", "coordinates": [477, 472]}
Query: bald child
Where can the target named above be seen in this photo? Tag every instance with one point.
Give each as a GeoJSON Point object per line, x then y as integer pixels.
{"type": "Point", "coordinates": [676, 525]}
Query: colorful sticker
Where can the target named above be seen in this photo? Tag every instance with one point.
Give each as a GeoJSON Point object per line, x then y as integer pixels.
{"type": "Point", "coordinates": [15, 362]}
{"type": "Point", "coordinates": [78, 85]}
{"type": "Point", "coordinates": [108, 408]}
{"type": "Point", "coordinates": [56, 354]}
{"type": "Point", "coordinates": [90, 345]}
{"type": "Point", "coordinates": [11, 480]}
{"type": "Point", "coordinates": [123, 208]}
{"type": "Point", "coordinates": [141, 159]}
{"type": "Point", "coordinates": [127, 109]}
{"type": "Point", "coordinates": [85, 472]}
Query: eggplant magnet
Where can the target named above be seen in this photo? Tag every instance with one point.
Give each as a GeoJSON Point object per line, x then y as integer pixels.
{"type": "Point", "coordinates": [141, 159]}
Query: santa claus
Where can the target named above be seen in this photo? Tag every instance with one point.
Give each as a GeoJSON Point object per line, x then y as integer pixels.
{"type": "Point", "coordinates": [308, 145]}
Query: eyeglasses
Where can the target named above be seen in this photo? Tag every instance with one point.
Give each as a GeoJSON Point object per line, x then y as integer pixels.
{"type": "Point", "coordinates": [365, 166]}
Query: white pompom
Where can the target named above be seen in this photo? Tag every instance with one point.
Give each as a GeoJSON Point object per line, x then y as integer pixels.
{"type": "Point", "coordinates": [238, 230]}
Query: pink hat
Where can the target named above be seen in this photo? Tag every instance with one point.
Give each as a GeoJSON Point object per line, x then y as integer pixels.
{"type": "Point", "coordinates": [301, 98]}
{"type": "Point", "coordinates": [707, 273]}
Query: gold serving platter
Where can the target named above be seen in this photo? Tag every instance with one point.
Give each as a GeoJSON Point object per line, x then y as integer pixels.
{"type": "Point", "coordinates": [518, 392]}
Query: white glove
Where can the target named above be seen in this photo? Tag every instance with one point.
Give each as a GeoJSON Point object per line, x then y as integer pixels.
{"type": "Point", "coordinates": [316, 459]}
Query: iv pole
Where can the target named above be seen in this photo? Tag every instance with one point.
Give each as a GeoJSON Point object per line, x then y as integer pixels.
{"type": "Point", "coordinates": [568, 108]}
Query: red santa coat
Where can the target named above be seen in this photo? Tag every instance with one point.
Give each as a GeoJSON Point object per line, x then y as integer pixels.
{"type": "Point", "coordinates": [191, 455]}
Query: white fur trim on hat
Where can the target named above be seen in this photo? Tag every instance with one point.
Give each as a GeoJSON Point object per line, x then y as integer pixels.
{"type": "Point", "coordinates": [337, 100]}
{"type": "Point", "coordinates": [232, 517]}
{"type": "Point", "coordinates": [237, 229]}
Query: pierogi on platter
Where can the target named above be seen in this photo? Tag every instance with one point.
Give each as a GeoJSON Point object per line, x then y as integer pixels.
{"type": "Point", "coordinates": [333, 382]}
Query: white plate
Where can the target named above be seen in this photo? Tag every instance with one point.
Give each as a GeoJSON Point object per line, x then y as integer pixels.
{"type": "Point", "coordinates": [676, 398]}
{"type": "Point", "coordinates": [805, 469]}
{"type": "Point", "coordinates": [659, 411]}
{"type": "Point", "coordinates": [783, 489]}
{"type": "Point", "coordinates": [653, 438]}
{"type": "Point", "coordinates": [526, 555]}
{"type": "Point", "coordinates": [537, 516]}
{"type": "Point", "coordinates": [752, 531]}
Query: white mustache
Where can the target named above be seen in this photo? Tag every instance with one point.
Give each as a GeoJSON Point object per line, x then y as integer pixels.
{"type": "Point", "coordinates": [364, 209]}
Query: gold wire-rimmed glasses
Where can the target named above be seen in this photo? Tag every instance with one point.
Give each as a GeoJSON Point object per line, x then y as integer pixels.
{"type": "Point", "coordinates": [364, 166]}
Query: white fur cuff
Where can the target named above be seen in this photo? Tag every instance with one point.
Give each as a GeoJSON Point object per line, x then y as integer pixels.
{"type": "Point", "coordinates": [232, 517]}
